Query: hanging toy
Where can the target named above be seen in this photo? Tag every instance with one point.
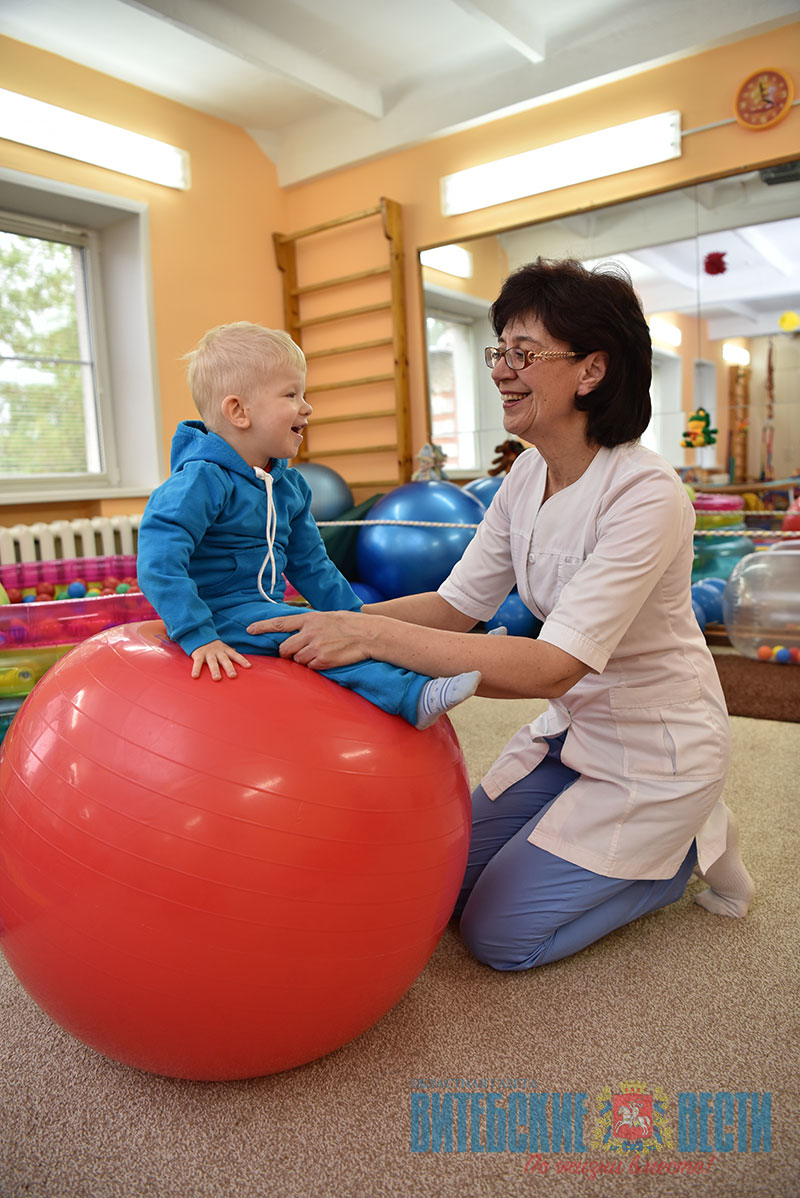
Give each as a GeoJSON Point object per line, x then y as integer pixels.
{"type": "Point", "coordinates": [699, 432]}
{"type": "Point", "coordinates": [714, 263]}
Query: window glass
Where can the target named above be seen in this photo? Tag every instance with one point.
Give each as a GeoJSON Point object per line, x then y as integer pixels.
{"type": "Point", "coordinates": [49, 422]}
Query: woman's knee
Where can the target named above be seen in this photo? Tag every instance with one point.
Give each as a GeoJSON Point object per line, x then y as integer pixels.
{"type": "Point", "coordinates": [482, 934]}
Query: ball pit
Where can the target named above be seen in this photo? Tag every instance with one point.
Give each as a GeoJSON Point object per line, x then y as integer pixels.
{"type": "Point", "coordinates": [220, 880]}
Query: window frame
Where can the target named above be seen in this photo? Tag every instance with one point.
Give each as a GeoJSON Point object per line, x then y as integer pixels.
{"type": "Point", "coordinates": [119, 283]}
{"type": "Point", "coordinates": [88, 241]}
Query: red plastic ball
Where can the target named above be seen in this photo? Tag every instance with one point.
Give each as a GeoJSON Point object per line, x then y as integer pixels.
{"type": "Point", "coordinates": [219, 880]}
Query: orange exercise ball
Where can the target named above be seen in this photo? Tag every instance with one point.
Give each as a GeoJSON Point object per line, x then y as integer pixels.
{"type": "Point", "coordinates": [219, 880]}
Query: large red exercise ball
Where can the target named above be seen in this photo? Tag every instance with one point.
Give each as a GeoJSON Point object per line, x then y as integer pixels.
{"type": "Point", "coordinates": [515, 617]}
{"type": "Point", "coordinates": [485, 488]}
{"type": "Point", "coordinates": [330, 494]}
{"type": "Point", "coordinates": [220, 880]}
{"type": "Point", "coordinates": [402, 559]}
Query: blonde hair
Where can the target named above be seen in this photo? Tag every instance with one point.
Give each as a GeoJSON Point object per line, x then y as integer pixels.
{"type": "Point", "coordinates": [232, 358]}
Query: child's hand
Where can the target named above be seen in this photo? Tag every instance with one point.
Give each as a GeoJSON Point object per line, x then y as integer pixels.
{"type": "Point", "coordinates": [217, 654]}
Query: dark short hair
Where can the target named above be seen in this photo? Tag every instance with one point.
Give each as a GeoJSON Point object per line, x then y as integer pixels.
{"type": "Point", "coordinates": [590, 310]}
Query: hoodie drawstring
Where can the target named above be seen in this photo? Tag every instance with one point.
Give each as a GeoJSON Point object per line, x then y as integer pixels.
{"type": "Point", "coordinates": [271, 529]}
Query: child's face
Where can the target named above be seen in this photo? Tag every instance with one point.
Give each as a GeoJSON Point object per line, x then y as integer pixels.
{"type": "Point", "coordinates": [278, 414]}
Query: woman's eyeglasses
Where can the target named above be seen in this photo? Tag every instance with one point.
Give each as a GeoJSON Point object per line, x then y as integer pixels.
{"type": "Point", "coordinates": [518, 359]}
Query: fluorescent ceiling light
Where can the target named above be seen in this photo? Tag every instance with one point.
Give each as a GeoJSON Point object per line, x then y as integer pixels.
{"type": "Point", "coordinates": [592, 156]}
{"type": "Point", "coordinates": [737, 355]}
{"type": "Point", "coordinates": [46, 127]}
{"type": "Point", "coordinates": [662, 330]}
{"type": "Point", "coordinates": [449, 259]}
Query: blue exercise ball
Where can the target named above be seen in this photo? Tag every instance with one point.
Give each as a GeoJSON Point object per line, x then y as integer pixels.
{"type": "Point", "coordinates": [403, 560]}
{"type": "Point", "coordinates": [710, 599]}
{"type": "Point", "coordinates": [485, 488]}
{"type": "Point", "coordinates": [700, 615]}
{"type": "Point", "coordinates": [330, 494]}
{"type": "Point", "coordinates": [366, 593]}
{"type": "Point", "coordinates": [513, 615]}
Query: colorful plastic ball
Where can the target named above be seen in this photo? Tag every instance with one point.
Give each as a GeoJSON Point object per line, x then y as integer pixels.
{"type": "Point", "coordinates": [122, 588]}
{"type": "Point", "coordinates": [29, 598]}
{"type": "Point", "coordinates": [366, 593]}
{"type": "Point", "coordinates": [700, 614]}
{"type": "Point", "coordinates": [404, 560]}
{"type": "Point", "coordinates": [764, 653]}
{"type": "Point", "coordinates": [14, 595]}
{"type": "Point", "coordinates": [3, 595]}
{"type": "Point", "coordinates": [330, 494]}
{"type": "Point", "coordinates": [221, 880]}
{"type": "Point", "coordinates": [515, 617]}
{"type": "Point", "coordinates": [794, 654]}
{"type": "Point", "coordinates": [485, 488]}
{"type": "Point", "coordinates": [76, 590]}
{"type": "Point", "coordinates": [782, 655]}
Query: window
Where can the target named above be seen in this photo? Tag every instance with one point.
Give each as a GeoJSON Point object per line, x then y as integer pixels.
{"type": "Point", "coordinates": [464, 412]}
{"type": "Point", "coordinates": [79, 412]}
{"type": "Point", "coordinates": [50, 421]}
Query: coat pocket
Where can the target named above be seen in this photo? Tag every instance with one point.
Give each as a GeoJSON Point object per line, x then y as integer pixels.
{"type": "Point", "coordinates": [667, 732]}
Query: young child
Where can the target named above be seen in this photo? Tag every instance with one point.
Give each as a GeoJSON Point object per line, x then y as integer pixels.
{"type": "Point", "coordinates": [217, 537]}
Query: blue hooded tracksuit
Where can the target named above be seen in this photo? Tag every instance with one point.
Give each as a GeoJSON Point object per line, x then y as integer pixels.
{"type": "Point", "coordinates": [214, 543]}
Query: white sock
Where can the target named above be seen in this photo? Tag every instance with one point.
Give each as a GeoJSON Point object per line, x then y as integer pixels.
{"type": "Point", "coordinates": [441, 694]}
{"type": "Point", "coordinates": [731, 888]}
{"type": "Point", "coordinates": [500, 630]}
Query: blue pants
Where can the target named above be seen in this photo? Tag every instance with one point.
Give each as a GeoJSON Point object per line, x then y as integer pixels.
{"type": "Point", "coordinates": [521, 906]}
{"type": "Point", "coordinates": [388, 687]}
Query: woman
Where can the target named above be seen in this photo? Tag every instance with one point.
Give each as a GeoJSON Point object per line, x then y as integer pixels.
{"type": "Point", "coordinates": [599, 811]}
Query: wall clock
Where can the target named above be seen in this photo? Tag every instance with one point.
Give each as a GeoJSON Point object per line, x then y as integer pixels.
{"type": "Point", "coordinates": [763, 99]}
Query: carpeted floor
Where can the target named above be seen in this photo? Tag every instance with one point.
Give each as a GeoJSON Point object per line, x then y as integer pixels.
{"type": "Point", "coordinates": [760, 690]}
{"type": "Point", "coordinates": [698, 1011]}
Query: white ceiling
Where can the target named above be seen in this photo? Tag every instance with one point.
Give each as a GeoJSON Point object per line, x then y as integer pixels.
{"type": "Point", "coordinates": [663, 241]}
{"type": "Point", "coordinates": [321, 84]}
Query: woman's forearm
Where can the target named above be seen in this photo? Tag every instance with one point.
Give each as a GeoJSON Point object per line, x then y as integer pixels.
{"type": "Point", "coordinates": [511, 667]}
{"type": "Point", "coordinates": [428, 608]}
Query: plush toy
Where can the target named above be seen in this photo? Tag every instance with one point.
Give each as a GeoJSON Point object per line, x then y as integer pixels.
{"type": "Point", "coordinates": [430, 459]}
{"type": "Point", "coordinates": [507, 454]}
{"type": "Point", "coordinates": [699, 432]}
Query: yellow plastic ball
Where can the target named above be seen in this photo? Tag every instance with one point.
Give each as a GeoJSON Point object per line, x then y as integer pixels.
{"type": "Point", "coordinates": [789, 321]}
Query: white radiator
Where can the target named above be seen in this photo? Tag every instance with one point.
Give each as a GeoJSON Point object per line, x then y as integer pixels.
{"type": "Point", "coordinates": [101, 536]}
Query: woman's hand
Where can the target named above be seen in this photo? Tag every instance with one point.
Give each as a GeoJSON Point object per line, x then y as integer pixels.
{"type": "Point", "coordinates": [321, 639]}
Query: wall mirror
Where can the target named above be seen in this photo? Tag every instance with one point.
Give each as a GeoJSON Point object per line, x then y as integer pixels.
{"type": "Point", "coordinates": [716, 264]}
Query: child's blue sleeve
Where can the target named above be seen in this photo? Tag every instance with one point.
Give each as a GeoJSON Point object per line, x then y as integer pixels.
{"type": "Point", "coordinates": [308, 567]}
{"type": "Point", "coordinates": [177, 516]}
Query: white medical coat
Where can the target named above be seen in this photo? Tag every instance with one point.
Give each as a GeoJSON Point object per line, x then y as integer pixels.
{"type": "Point", "coordinates": [606, 564]}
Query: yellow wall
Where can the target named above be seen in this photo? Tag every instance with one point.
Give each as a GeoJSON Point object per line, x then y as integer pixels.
{"type": "Point", "coordinates": [702, 88]}
{"type": "Point", "coordinates": [212, 254]}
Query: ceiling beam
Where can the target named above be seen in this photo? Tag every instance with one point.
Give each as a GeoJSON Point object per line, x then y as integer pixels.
{"type": "Point", "coordinates": [251, 44]}
{"type": "Point", "coordinates": [514, 22]}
